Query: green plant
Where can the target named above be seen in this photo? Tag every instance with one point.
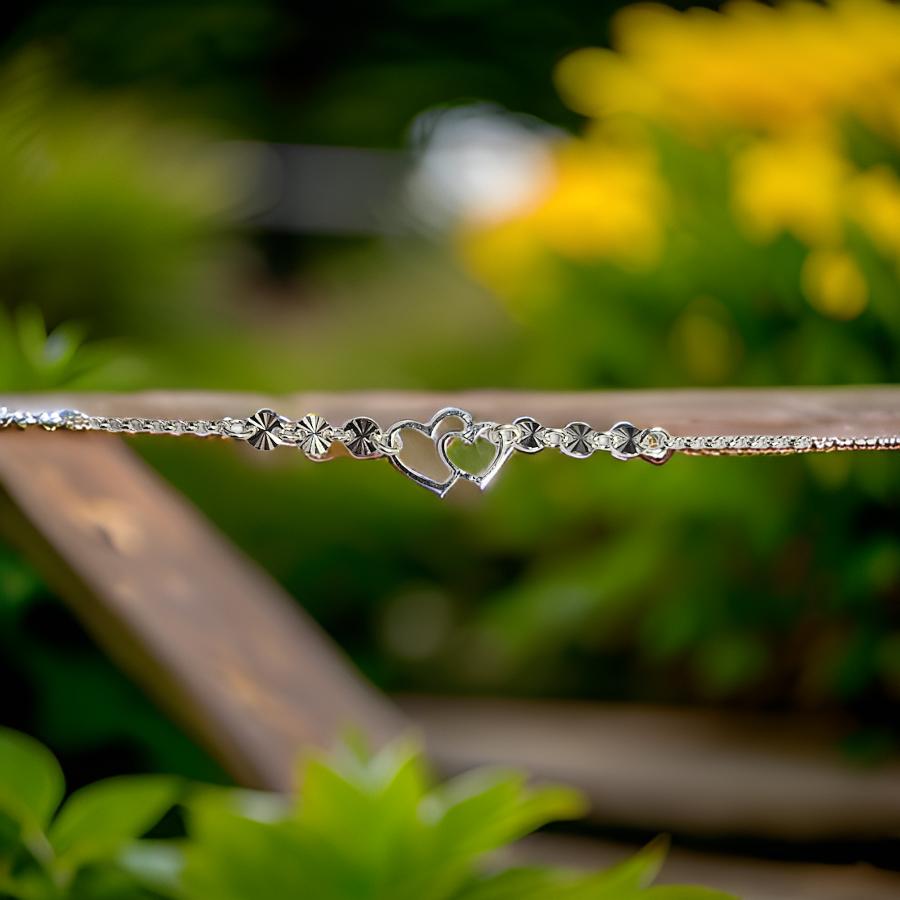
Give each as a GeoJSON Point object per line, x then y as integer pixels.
{"type": "Point", "coordinates": [362, 828]}
{"type": "Point", "coordinates": [108, 215]}
{"type": "Point", "coordinates": [35, 358]}
{"type": "Point", "coordinates": [48, 852]}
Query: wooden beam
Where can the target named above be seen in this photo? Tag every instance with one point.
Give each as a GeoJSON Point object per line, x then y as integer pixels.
{"type": "Point", "coordinates": [850, 412]}
{"type": "Point", "coordinates": [215, 640]}
{"type": "Point", "coordinates": [745, 877]}
{"type": "Point", "coordinates": [689, 771]}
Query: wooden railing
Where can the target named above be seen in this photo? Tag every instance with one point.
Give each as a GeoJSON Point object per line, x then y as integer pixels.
{"type": "Point", "coordinates": [237, 662]}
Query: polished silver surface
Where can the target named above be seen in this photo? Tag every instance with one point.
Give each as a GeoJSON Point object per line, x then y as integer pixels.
{"type": "Point", "coordinates": [314, 436]}
{"type": "Point", "coordinates": [624, 440]}
{"type": "Point", "coordinates": [432, 430]}
{"type": "Point", "coordinates": [364, 438]}
{"type": "Point", "coordinates": [529, 441]}
{"type": "Point", "coordinates": [265, 429]}
{"type": "Point", "coordinates": [655, 444]}
{"type": "Point", "coordinates": [578, 442]}
{"type": "Point", "coordinates": [500, 437]}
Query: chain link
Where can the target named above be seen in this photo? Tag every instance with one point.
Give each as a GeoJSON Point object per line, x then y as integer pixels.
{"type": "Point", "coordinates": [554, 438]}
{"type": "Point", "coordinates": [389, 442]}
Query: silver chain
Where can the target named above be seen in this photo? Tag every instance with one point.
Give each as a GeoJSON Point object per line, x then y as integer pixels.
{"type": "Point", "coordinates": [364, 438]}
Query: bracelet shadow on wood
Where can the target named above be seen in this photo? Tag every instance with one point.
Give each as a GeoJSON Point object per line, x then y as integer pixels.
{"type": "Point", "coordinates": [212, 638]}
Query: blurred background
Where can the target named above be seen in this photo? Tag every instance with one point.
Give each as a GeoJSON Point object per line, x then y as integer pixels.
{"type": "Point", "coordinates": [466, 193]}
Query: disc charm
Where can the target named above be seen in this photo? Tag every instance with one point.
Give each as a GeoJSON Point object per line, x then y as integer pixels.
{"type": "Point", "coordinates": [528, 430]}
{"type": "Point", "coordinates": [265, 426]}
{"type": "Point", "coordinates": [362, 437]}
{"type": "Point", "coordinates": [313, 436]}
{"type": "Point", "coordinates": [578, 443]}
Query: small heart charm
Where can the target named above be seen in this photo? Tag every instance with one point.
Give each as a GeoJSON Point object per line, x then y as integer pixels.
{"type": "Point", "coordinates": [430, 430]}
{"type": "Point", "coordinates": [503, 449]}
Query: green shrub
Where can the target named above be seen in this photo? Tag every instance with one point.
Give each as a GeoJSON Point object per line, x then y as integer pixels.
{"type": "Point", "coordinates": [363, 829]}
{"type": "Point", "coordinates": [50, 852]}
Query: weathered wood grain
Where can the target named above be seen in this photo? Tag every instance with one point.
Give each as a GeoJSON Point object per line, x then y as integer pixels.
{"type": "Point", "coordinates": [208, 634]}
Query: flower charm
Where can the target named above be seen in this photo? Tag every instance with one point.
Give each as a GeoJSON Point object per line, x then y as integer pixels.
{"type": "Point", "coordinates": [654, 443]}
{"type": "Point", "coordinates": [264, 429]}
{"type": "Point", "coordinates": [624, 440]}
{"type": "Point", "coordinates": [313, 436]}
{"type": "Point", "coordinates": [362, 437]}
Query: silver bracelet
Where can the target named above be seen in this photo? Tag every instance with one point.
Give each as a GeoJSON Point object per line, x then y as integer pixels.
{"type": "Point", "coordinates": [363, 438]}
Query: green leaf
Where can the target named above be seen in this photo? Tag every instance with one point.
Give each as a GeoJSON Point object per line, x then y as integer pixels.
{"type": "Point", "coordinates": [484, 809]}
{"type": "Point", "coordinates": [513, 884]}
{"type": "Point", "coordinates": [364, 815]}
{"type": "Point", "coordinates": [684, 892]}
{"type": "Point", "coordinates": [636, 872]}
{"type": "Point", "coordinates": [157, 864]}
{"type": "Point", "coordinates": [230, 857]}
{"type": "Point", "coordinates": [97, 821]}
{"type": "Point", "coordinates": [31, 884]}
{"type": "Point", "coordinates": [260, 806]}
{"type": "Point", "coordinates": [31, 781]}
{"type": "Point", "coordinates": [473, 815]}
{"type": "Point", "coordinates": [625, 881]}
{"type": "Point", "coordinates": [103, 883]}
{"type": "Point", "coordinates": [375, 829]}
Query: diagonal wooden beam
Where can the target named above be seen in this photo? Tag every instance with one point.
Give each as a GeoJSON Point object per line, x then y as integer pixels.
{"type": "Point", "coordinates": [210, 636]}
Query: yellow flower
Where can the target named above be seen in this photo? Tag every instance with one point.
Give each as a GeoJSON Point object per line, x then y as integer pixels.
{"type": "Point", "coordinates": [750, 65]}
{"type": "Point", "coordinates": [601, 83]}
{"type": "Point", "coordinates": [793, 184]}
{"type": "Point", "coordinates": [603, 203]}
{"type": "Point", "coordinates": [874, 202]}
{"type": "Point", "coordinates": [607, 202]}
{"type": "Point", "coordinates": [834, 285]}
{"type": "Point", "coordinates": [508, 257]}
{"type": "Point", "coordinates": [771, 89]}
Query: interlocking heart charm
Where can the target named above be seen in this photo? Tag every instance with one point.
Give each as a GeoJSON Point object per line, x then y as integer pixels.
{"type": "Point", "coordinates": [469, 433]}
{"type": "Point", "coordinates": [503, 449]}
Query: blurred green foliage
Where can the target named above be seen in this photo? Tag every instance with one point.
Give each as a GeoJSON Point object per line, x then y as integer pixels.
{"type": "Point", "coordinates": [367, 828]}
{"type": "Point", "coordinates": [31, 358]}
{"type": "Point", "coordinates": [270, 70]}
{"type": "Point", "coordinates": [108, 216]}
{"type": "Point", "coordinates": [50, 853]}
{"type": "Point", "coordinates": [769, 583]}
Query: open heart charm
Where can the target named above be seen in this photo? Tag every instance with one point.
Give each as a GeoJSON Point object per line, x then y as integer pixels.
{"type": "Point", "coordinates": [430, 430]}
{"type": "Point", "coordinates": [469, 433]}
{"type": "Point", "coordinates": [503, 449]}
